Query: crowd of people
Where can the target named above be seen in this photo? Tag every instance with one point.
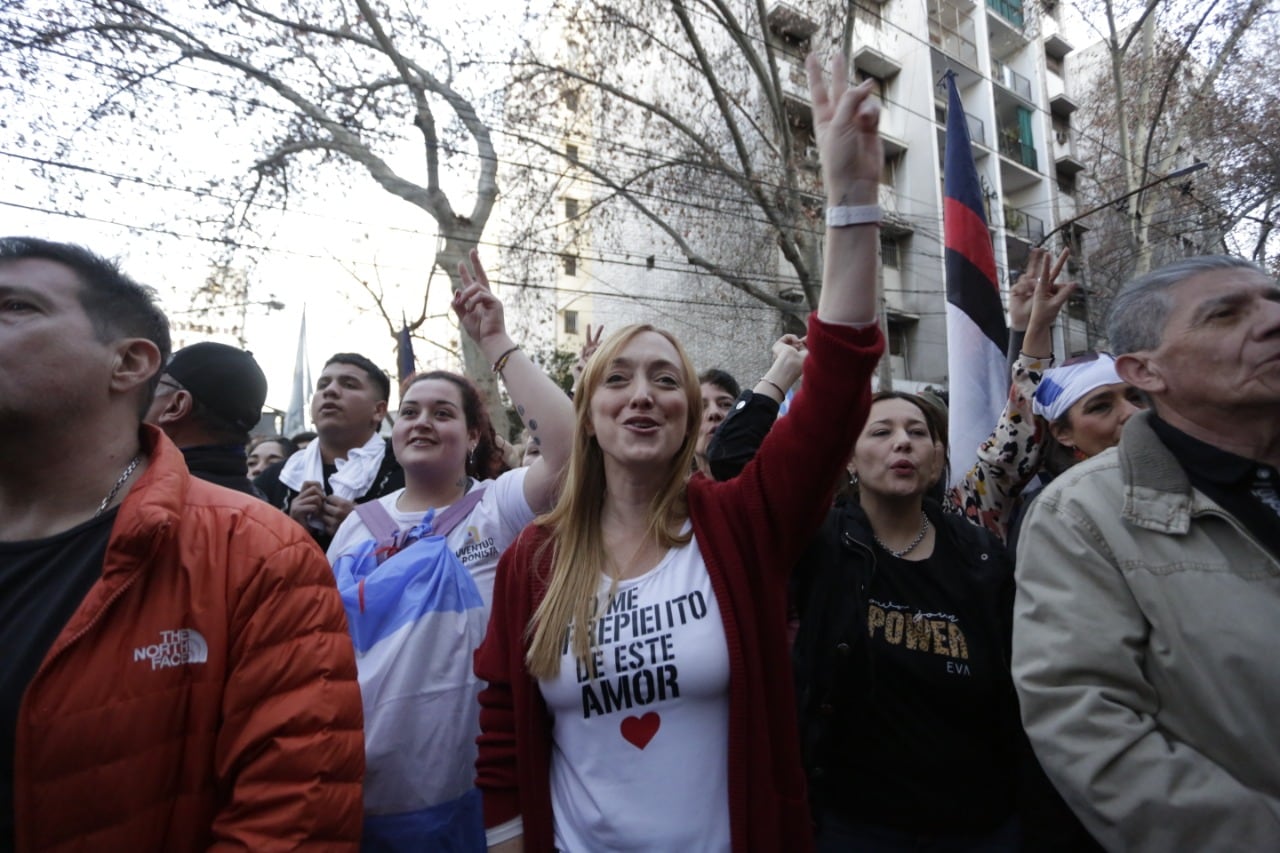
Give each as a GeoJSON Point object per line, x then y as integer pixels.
{"type": "Point", "coordinates": [669, 618]}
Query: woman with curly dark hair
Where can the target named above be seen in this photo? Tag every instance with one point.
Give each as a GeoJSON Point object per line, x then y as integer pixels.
{"type": "Point", "coordinates": [444, 441]}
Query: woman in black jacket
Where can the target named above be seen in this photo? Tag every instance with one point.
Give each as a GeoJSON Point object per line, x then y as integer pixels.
{"type": "Point", "coordinates": [908, 719]}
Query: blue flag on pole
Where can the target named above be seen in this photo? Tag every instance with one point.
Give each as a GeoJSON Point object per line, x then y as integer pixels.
{"type": "Point", "coordinates": [405, 364]}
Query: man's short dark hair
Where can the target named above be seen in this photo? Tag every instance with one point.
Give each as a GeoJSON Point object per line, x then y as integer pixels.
{"type": "Point", "coordinates": [722, 380]}
{"type": "Point", "coordinates": [376, 374]}
{"type": "Point", "coordinates": [116, 305]}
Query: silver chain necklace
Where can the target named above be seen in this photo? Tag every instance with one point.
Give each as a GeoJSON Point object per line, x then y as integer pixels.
{"type": "Point", "coordinates": [924, 528]}
{"type": "Point", "coordinates": [115, 490]}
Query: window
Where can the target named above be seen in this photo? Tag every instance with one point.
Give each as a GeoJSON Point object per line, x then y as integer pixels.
{"type": "Point", "coordinates": [897, 339]}
{"type": "Point", "coordinates": [570, 98]}
{"type": "Point", "coordinates": [571, 152]}
{"type": "Point", "coordinates": [889, 252]}
{"type": "Point", "coordinates": [789, 43]}
{"type": "Point", "coordinates": [570, 208]}
{"type": "Point", "coordinates": [1066, 183]}
{"type": "Point", "coordinates": [880, 89]}
{"type": "Point", "coordinates": [570, 264]}
{"type": "Point", "coordinates": [571, 322]}
{"type": "Point", "coordinates": [892, 164]}
{"type": "Point", "coordinates": [1053, 64]}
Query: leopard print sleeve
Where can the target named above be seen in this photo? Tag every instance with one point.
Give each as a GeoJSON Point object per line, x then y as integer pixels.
{"type": "Point", "coordinates": [1009, 458]}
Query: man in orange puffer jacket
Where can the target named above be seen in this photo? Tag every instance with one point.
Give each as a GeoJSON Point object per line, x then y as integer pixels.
{"type": "Point", "coordinates": [177, 672]}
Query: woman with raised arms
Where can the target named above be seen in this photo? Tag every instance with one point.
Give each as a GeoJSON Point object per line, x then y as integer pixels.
{"type": "Point", "coordinates": [443, 440]}
{"type": "Point", "coordinates": [636, 656]}
{"type": "Point", "coordinates": [418, 616]}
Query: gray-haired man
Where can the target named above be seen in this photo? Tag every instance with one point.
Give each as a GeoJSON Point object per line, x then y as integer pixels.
{"type": "Point", "coordinates": [1149, 579]}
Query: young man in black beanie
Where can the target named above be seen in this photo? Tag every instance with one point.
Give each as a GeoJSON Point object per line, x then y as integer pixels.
{"type": "Point", "coordinates": [209, 397]}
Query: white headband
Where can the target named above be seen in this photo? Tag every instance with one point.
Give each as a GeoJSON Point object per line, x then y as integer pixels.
{"type": "Point", "coordinates": [1062, 387]}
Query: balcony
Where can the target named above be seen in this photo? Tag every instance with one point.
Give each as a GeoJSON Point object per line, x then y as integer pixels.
{"type": "Point", "coordinates": [1067, 207]}
{"type": "Point", "coordinates": [1010, 10]}
{"type": "Point", "coordinates": [893, 123]}
{"type": "Point", "coordinates": [1064, 153]}
{"type": "Point", "coordinates": [875, 62]}
{"type": "Point", "coordinates": [1057, 46]}
{"type": "Point", "coordinates": [953, 43]}
{"type": "Point", "coordinates": [1020, 152]}
{"type": "Point", "coordinates": [794, 83]}
{"type": "Point", "coordinates": [1060, 103]}
{"type": "Point", "coordinates": [794, 80]}
{"type": "Point", "coordinates": [895, 223]}
{"type": "Point", "coordinates": [977, 129]}
{"type": "Point", "coordinates": [1006, 23]}
{"type": "Point", "coordinates": [1011, 80]}
{"type": "Point", "coordinates": [1023, 225]}
{"type": "Point", "coordinates": [979, 143]}
{"type": "Point", "coordinates": [787, 21]}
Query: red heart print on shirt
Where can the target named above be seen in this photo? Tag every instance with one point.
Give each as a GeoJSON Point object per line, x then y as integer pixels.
{"type": "Point", "coordinates": [638, 731]}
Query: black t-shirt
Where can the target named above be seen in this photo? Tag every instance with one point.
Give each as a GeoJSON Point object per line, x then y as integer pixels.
{"type": "Point", "coordinates": [929, 743]}
{"type": "Point", "coordinates": [42, 582]}
{"type": "Point", "coordinates": [1247, 489]}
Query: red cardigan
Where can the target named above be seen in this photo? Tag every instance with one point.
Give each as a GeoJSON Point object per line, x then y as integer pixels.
{"type": "Point", "coordinates": [750, 530]}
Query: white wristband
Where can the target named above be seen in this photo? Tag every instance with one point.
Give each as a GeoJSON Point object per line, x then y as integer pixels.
{"type": "Point", "coordinates": [513, 828]}
{"type": "Point", "coordinates": [862, 214]}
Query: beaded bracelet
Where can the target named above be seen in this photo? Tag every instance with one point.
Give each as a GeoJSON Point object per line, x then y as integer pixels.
{"type": "Point", "coordinates": [501, 364]}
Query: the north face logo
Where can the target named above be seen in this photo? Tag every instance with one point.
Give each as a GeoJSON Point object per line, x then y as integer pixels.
{"type": "Point", "coordinates": [176, 648]}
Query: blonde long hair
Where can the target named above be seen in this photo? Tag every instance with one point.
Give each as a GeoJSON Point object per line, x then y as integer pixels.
{"type": "Point", "coordinates": [579, 558]}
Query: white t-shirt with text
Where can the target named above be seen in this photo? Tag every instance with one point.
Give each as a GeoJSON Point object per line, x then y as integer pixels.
{"type": "Point", "coordinates": [640, 754]}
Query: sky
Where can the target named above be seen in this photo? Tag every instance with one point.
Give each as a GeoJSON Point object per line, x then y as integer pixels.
{"type": "Point", "coordinates": [125, 190]}
{"type": "Point", "coordinates": [311, 262]}
{"type": "Point", "coordinates": [53, 157]}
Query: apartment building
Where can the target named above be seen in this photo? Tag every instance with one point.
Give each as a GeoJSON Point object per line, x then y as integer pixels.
{"type": "Point", "coordinates": [1017, 94]}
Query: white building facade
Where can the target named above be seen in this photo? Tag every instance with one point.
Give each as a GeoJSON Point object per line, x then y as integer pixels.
{"type": "Point", "coordinates": [1010, 69]}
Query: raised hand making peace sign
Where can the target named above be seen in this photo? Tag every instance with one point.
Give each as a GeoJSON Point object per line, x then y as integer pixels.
{"type": "Point", "coordinates": [846, 122]}
{"type": "Point", "coordinates": [478, 310]}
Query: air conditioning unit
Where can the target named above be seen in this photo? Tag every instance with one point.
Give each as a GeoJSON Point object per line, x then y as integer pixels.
{"type": "Point", "coordinates": [1062, 136]}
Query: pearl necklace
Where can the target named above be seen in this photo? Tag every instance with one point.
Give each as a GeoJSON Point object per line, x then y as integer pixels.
{"type": "Point", "coordinates": [924, 528]}
{"type": "Point", "coordinates": [115, 490]}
